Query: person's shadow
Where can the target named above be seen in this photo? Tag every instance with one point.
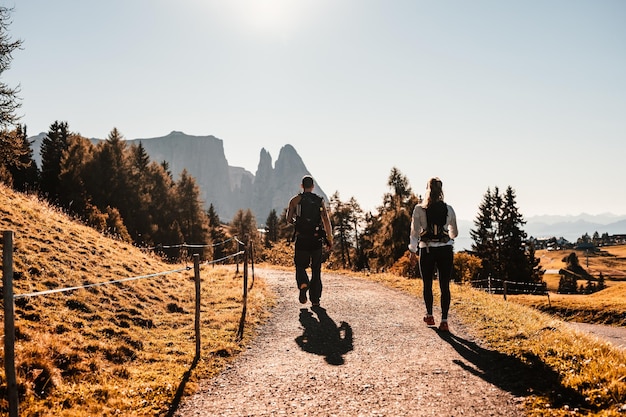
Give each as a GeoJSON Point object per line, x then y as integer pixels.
{"type": "Point", "coordinates": [323, 337]}
{"type": "Point", "coordinates": [517, 376]}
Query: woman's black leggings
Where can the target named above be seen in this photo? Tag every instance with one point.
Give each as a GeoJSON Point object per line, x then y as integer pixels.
{"type": "Point", "coordinates": [437, 258]}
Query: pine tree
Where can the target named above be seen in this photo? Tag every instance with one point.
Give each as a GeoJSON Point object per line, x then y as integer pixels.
{"type": "Point", "coordinates": [512, 241]}
{"type": "Point", "coordinates": [484, 236]}
{"type": "Point", "coordinates": [243, 227]}
{"type": "Point", "coordinates": [139, 163]}
{"type": "Point", "coordinates": [271, 228]}
{"type": "Point", "coordinates": [193, 221]}
{"type": "Point", "coordinates": [500, 241]}
{"type": "Point", "coordinates": [341, 218]}
{"type": "Point", "coordinates": [52, 147]}
{"type": "Point", "coordinates": [284, 228]}
{"type": "Point", "coordinates": [216, 233]}
{"type": "Point", "coordinates": [366, 242]}
{"type": "Point", "coordinates": [357, 220]}
{"type": "Point", "coordinates": [164, 229]}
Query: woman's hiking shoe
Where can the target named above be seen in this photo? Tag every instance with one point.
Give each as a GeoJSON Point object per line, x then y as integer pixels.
{"type": "Point", "coordinates": [302, 296]}
{"type": "Point", "coordinates": [443, 326]}
{"type": "Point", "coordinates": [429, 320]}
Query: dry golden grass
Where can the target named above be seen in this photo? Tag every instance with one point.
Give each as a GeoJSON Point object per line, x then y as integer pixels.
{"type": "Point", "coordinates": [118, 349]}
{"type": "Point", "coordinates": [606, 307]}
{"type": "Point", "coordinates": [610, 260]}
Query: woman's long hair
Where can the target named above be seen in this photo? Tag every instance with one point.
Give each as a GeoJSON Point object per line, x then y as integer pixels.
{"type": "Point", "coordinates": [434, 192]}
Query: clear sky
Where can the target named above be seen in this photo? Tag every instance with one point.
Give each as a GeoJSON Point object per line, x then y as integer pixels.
{"type": "Point", "coordinates": [530, 94]}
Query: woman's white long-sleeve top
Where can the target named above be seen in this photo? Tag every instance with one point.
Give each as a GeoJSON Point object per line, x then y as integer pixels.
{"type": "Point", "coordinates": [419, 223]}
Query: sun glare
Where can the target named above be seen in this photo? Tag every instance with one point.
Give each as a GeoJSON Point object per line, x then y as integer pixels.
{"type": "Point", "coordinates": [271, 18]}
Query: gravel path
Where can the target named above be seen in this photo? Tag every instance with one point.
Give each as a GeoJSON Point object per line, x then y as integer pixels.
{"type": "Point", "coordinates": [612, 334]}
{"type": "Point", "coordinates": [365, 353]}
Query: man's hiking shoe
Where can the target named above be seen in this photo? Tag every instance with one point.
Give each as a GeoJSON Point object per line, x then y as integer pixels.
{"type": "Point", "coordinates": [429, 320]}
{"type": "Point", "coordinates": [315, 303]}
{"type": "Point", "coordinates": [302, 296]}
{"type": "Point", "coordinates": [444, 326]}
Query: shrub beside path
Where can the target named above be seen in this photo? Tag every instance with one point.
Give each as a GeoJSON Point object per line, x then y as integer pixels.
{"type": "Point", "coordinates": [366, 352]}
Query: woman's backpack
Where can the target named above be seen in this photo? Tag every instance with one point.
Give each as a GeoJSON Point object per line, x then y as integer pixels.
{"type": "Point", "coordinates": [436, 218]}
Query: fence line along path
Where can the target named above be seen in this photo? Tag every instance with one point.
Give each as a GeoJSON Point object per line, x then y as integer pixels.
{"type": "Point", "coordinates": [366, 352]}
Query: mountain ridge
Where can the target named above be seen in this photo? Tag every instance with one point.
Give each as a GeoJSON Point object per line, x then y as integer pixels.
{"type": "Point", "coordinates": [227, 188]}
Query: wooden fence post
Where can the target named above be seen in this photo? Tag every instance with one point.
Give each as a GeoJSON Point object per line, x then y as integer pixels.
{"type": "Point", "coordinates": [245, 295]}
{"type": "Point", "coordinates": [9, 322]}
{"type": "Point", "coordinates": [237, 257]}
{"type": "Point", "coordinates": [196, 270]}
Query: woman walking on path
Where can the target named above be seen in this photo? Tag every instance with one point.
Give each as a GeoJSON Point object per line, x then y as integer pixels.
{"type": "Point", "coordinates": [433, 229]}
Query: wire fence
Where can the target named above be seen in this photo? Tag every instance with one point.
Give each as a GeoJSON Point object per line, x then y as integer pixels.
{"type": "Point", "coordinates": [506, 287]}
{"type": "Point", "coordinates": [244, 251]}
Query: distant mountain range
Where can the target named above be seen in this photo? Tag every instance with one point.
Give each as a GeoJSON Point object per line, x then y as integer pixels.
{"type": "Point", "coordinates": [228, 188]}
{"type": "Point", "coordinates": [569, 227]}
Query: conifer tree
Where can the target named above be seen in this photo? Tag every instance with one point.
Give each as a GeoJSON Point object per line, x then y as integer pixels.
{"type": "Point", "coordinates": [193, 221]}
{"type": "Point", "coordinates": [484, 235]}
{"type": "Point", "coordinates": [139, 181]}
{"type": "Point", "coordinates": [52, 147]}
{"type": "Point", "coordinates": [512, 241]}
{"type": "Point", "coordinates": [284, 228]}
{"type": "Point", "coordinates": [164, 228]}
{"type": "Point", "coordinates": [271, 228]}
{"type": "Point", "coordinates": [243, 227]}
{"type": "Point", "coordinates": [73, 192]}
{"type": "Point", "coordinates": [342, 221]}
{"type": "Point", "coordinates": [216, 233]}
{"type": "Point", "coordinates": [366, 242]}
{"type": "Point", "coordinates": [17, 166]}
{"type": "Point", "coordinates": [392, 236]}
{"type": "Point", "coordinates": [500, 241]}
{"type": "Point", "coordinates": [357, 217]}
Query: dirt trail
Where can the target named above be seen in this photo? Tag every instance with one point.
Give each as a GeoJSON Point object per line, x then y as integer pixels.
{"type": "Point", "coordinates": [365, 353]}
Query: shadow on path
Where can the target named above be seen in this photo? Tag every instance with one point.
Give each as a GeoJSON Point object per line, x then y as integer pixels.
{"type": "Point", "coordinates": [323, 337]}
{"type": "Point", "coordinates": [521, 378]}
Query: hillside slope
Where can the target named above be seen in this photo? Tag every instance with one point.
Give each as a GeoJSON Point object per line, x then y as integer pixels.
{"type": "Point", "coordinates": [108, 349]}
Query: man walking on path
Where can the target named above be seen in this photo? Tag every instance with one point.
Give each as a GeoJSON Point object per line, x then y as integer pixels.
{"type": "Point", "coordinates": [308, 213]}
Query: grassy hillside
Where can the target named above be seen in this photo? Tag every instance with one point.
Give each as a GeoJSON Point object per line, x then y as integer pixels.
{"type": "Point", "coordinates": [606, 307]}
{"type": "Point", "coordinates": [119, 349]}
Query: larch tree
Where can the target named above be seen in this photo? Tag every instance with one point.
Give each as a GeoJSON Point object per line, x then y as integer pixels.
{"type": "Point", "coordinates": [73, 192]}
{"type": "Point", "coordinates": [392, 238]}
{"type": "Point", "coordinates": [17, 165]}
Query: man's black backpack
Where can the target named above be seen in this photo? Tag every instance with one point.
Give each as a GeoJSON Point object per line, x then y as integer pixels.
{"type": "Point", "coordinates": [436, 217]}
{"type": "Point", "coordinates": [309, 215]}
